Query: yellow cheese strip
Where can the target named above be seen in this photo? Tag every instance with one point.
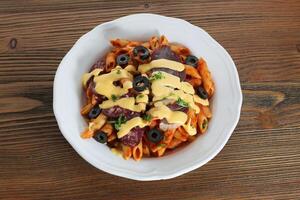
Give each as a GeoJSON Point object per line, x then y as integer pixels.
{"type": "Point", "coordinates": [175, 94]}
{"type": "Point", "coordinates": [127, 103]}
{"type": "Point", "coordinates": [87, 76]}
{"type": "Point", "coordinates": [130, 68]}
{"type": "Point", "coordinates": [161, 63]}
{"type": "Point", "coordinates": [163, 85]}
{"type": "Point", "coordinates": [189, 129]}
{"type": "Point", "coordinates": [105, 86]}
{"type": "Point", "coordinates": [203, 102]}
{"type": "Point", "coordinates": [141, 98]}
{"type": "Point", "coordinates": [130, 124]}
{"type": "Point", "coordinates": [161, 111]}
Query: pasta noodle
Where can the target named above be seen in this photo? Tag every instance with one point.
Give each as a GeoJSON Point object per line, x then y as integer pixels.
{"type": "Point", "coordinates": [202, 123]}
{"type": "Point", "coordinates": [146, 150]}
{"type": "Point", "coordinates": [181, 134]}
{"type": "Point", "coordinates": [119, 43]}
{"type": "Point", "coordinates": [110, 61]}
{"type": "Point", "coordinates": [163, 40]}
{"type": "Point", "coordinates": [127, 152]}
{"type": "Point", "coordinates": [180, 50]}
{"type": "Point", "coordinates": [206, 76]}
{"type": "Point", "coordinates": [191, 71]}
{"type": "Point", "coordinates": [137, 151]}
{"type": "Point", "coordinates": [174, 143]}
{"type": "Point", "coordinates": [206, 111]}
{"type": "Point", "coordinates": [154, 43]}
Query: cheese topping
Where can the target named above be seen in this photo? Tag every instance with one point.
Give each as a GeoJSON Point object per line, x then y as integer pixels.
{"type": "Point", "coordinates": [161, 63]}
{"type": "Point", "coordinates": [161, 111]}
{"type": "Point", "coordinates": [165, 87]}
{"type": "Point", "coordinates": [175, 94]}
{"type": "Point", "coordinates": [189, 129]}
{"type": "Point", "coordinates": [87, 76]}
{"type": "Point", "coordinates": [167, 81]}
{"type": "Point", "coordinates": [203, 102]}
{"type": "Point", "coordinates": [127, 103]}
{"type": "Point", "coordinates": [105, 86]}
{"type": "Point", "coordinates": [141, 98]}
{"type": "Point", "coordinates": [130, 124]}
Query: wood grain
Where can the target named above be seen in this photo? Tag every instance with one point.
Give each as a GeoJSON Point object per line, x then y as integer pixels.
{"type": "Point", "coordinates": [261, 159]}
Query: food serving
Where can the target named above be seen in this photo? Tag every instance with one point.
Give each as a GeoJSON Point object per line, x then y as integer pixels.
{"type": "Point", "coordinates": [147, 98]}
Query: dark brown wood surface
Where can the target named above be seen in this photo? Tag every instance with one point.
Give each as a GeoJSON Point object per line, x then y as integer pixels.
{"type": "Point", "coordinates": [261, 159]}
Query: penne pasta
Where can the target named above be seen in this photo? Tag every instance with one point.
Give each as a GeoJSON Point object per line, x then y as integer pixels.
{"type": "Point", "coordinates": [180, 50]}
{"type": "Point", "coordinates": [206, 111]}
{"type": "Point", "coordinates": [107, 128]}
{"type": "Point", "coordinates": [174, 143]}
{"type": "Point", "coordinates": [202, 123]}
{"type": "Point", "coordinates": [137, 151]}
{"type": "Point", "coordinates": [119, 43]}
{"type": "Point", "coordinates": [127, 151]}
{"type": "Point", "coordinates": [110, 61]}
{"type": "Point", "coordinates": [154, 43]}
{"type": "Point", "coordinates": [161, 151]}
{"type": "Point", "coordinates": [181, 134]}
{"type": "Point", "coordinates": [86, 109]}
{"type": "Point", "coordinates": [163, 40]}
{"type": "Point", "coordinates": [111, 137]}
{"type": "Point", "coordinates": [191, 71]}
{"type": "Point", "coordinates": [195, 82]}
{"type": "Point", "coordinates": [146, 150]}
{"type": "Point", "coordinates": [208, 84]}
{"type": "Point", "coordinates": [87, 134]}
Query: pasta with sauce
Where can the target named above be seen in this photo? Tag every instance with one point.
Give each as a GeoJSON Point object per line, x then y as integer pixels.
{"type": "Point", "coordinates": [146, 98]}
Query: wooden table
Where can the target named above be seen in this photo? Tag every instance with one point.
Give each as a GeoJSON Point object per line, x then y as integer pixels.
{"type": "Point", "coordinates": [261, 159]}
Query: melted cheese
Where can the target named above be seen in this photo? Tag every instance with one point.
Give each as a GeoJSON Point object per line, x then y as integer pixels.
{"type": "Point", "coordinates": [164, 63]}
{"type": "Point", "coordinates": [141, 98]}
{"type": "Point", "coordinates": [87, 76]}
{"type": "Point", "coordinates": [203, 102]}
{"type": "Point", "coordinates": [169, 81]}
{"type": "Point", "coordinates": [130, 124]}
{"type": "Point", "coordinates": [127, 103]}
{"type": "Point", "coordinates": [105, 86]}
{"type": "Point", "coordinates": [130, 68]}
{"type": "Point", "coordinates": [189, 129]}
{"type": "Point", "coordinates": [164, 88]}
{"type": "Point", "coordinates": [161, 111]}
{"type": "Point", "coordinates": [175, 94]}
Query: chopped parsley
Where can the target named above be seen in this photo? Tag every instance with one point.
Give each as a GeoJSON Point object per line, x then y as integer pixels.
{"type": "Point", "coordinates": [121, 120]}
{"type": "Point", "coordinates": [147, 117]}
{"type": "Point", "coordinates": [182, 103]}
{"type": "Point", "coordinates": [118, 71]}
{"type": "Point", "coordinates": [114, 97]}
{"type": "Point", "coordinates": [156, 76]}
{"type": "Point", "coordinates": [140, 96]}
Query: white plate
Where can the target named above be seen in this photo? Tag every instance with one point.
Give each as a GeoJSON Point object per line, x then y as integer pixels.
{"type": "Point", "coordinates": [68, 98]}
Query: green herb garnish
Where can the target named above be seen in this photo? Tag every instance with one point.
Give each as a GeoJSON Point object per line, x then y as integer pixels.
{"type": "Point", "coordinates": [114, 97]}
{"type": "Point", "coordinates": [182, 103]}
{"type": "Point", "coordinates": [156, 76]}
{"type": "Point", "coordinates": [118, 71]}
{"type": "Point", "coordinates": [121, 120]}
{"type": "Point", "coordinates": [147, 117]}
{"type": "Point", "coordinates": [140, 96]}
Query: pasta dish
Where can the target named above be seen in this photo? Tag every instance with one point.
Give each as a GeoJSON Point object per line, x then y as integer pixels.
{"type": "Point", "coordinates": [147, 98]}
